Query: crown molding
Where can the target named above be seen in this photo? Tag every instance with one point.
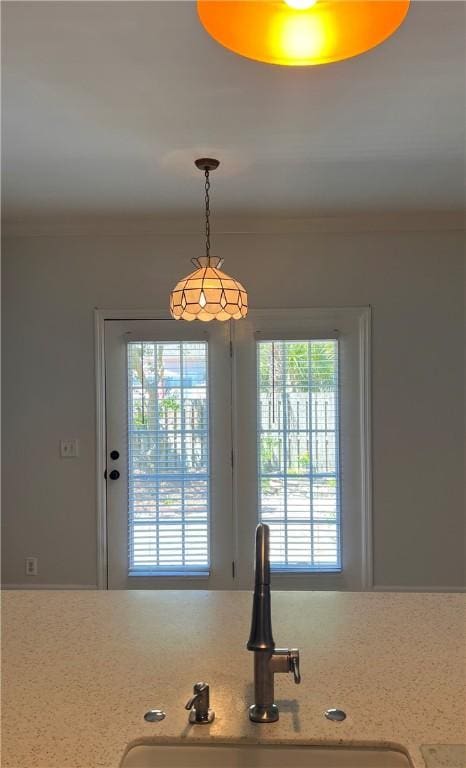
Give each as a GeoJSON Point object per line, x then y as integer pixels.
{"type": "Point", "coordinates": [150, 226]}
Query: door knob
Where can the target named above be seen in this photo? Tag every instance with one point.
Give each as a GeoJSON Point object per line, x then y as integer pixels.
{"type": "Point", "coordinates": [114, 474]}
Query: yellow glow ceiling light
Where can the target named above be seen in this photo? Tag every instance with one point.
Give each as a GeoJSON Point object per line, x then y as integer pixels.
{"type": "Point", "coordinates": [301, 32]}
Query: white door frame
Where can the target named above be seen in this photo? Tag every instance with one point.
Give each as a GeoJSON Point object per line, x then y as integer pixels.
{"type": "Point", "coordinates": [101, 315]}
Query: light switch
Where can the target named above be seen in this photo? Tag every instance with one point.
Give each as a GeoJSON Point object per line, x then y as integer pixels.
{"type": "Point", "coordinates": [69, 449]}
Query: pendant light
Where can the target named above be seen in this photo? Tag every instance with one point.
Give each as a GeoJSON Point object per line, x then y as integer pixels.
{"type": "Point", "coordinates": [301, 32]}
{"type": "Point", "coordinates": [207, 293]}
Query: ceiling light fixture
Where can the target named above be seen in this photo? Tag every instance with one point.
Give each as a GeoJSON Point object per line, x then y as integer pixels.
{"type": "Point", "coordinates": [301, 32]}
{"type": "Point", "coordinates": [207, 293]}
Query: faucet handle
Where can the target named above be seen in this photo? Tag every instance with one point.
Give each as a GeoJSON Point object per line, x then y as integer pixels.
{"type": "Point", "coordinates": [198, 690]}
{"type": "Point", "coordinates": [294, 665]}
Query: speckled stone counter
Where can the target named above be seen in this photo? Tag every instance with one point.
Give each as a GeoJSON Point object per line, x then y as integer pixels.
{"type": "Point", "coordinates": [80, 669]}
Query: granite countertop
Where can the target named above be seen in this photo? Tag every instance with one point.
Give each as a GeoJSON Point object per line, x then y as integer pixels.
{"type": "Point", "coordinates": [80, 669]}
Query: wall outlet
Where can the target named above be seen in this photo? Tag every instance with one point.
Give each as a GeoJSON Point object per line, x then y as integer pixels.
{"type": "Point", "coordinates": [32, 566]}
{"type": "Point", "coordinates": [69, 449]}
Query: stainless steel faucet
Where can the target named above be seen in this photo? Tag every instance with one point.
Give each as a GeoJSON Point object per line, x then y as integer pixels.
{"type": "Point", "coordinates": [200, 713]}
{"type": "Point", "coordinates": [268, 660]}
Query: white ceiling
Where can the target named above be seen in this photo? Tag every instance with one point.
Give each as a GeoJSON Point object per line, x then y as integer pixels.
{"type": "Point", "coordinates": [106, 105]}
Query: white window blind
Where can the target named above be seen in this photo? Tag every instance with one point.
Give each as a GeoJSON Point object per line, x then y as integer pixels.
{"type": "Point", "coordinates": [298, 453]}
{"type": "Point", "coordinates": [168, 458]}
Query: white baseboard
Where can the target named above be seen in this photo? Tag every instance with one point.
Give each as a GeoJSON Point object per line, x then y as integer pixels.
{"type": "Point", "coordinates": [381, 588]}
{"type": "Point", "coordinates": [48, 586]}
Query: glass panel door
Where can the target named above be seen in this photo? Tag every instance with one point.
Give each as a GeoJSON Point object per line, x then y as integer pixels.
{"type": "Point", "coordinates": [168, 490]}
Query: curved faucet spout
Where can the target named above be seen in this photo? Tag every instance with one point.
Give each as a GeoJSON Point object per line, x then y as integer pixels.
{"type": "Point", "coordinates": [268, 660]}
{"type": "Point", "coordinates": [261, 638]}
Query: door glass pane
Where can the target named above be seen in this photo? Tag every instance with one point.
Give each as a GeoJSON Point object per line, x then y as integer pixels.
{"type": "Point", "coordinates": [298, 453]}
{"type": "Point", "coordinates": [168, 458]}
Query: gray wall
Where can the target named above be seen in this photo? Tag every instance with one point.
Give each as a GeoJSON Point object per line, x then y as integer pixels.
{"type": "Point", "coordinates": [414, 282]}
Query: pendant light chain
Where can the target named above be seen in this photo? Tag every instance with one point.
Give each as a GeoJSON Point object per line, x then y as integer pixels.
{"type": "Point", "coordinates": [207, 215]}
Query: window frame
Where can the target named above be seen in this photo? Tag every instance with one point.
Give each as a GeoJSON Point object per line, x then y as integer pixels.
{"type": "Point", "coordinates": [290, 571]}
{"type": "Point", "coordinates": [352, 327]}
{"type": "Point", "coordinates": [174, 571]}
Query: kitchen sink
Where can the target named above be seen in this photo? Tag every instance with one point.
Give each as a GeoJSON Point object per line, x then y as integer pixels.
{"type": "Point", "coordinates": [260, 756]}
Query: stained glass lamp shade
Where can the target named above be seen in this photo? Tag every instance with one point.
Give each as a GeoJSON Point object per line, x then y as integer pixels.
{"type": "Point", "coordinates": [208, 294]}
